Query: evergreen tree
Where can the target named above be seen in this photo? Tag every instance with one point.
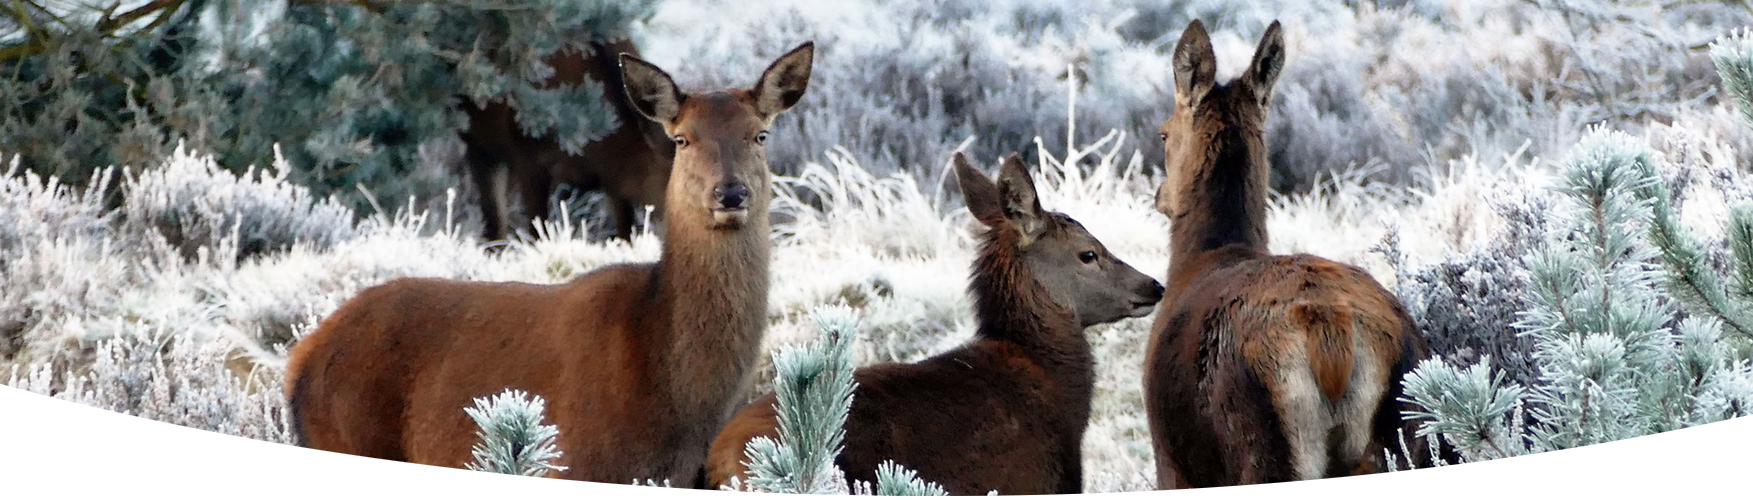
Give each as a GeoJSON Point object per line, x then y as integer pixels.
{"type": "Point", "coordinates": [1615, 359]}
{"type": "Point", "coordinates": [350, 90]}
{"type": "Point", "coordinates": [814, 391]}
{"type": "Point", "coordinates": [89, 84]}
{"type": "Point", "coordinates": [513, 438]}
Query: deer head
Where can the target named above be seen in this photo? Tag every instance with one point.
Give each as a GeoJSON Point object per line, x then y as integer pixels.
{"type": "Point", "coordinates": [1213, 122]}
{"type": "Point", "coordinates": [720, 174]}
{"type": "Point", "coordinates": [1075, 269]}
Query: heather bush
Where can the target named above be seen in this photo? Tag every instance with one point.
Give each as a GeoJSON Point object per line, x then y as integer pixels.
{"type": "Point", "coordinates": [171, 377]}
{"type": "Point", "coordinates": [191, 203]}
{"type": "Point", "coordinates": [1390, 88]}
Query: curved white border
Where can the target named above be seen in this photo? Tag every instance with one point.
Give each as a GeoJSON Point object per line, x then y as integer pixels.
{"type": "Point", "coordinates": [55, 449]}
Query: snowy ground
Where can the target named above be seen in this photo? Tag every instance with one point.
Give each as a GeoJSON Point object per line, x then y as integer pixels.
{"type": "Point", "coordinates": [1427, 118]}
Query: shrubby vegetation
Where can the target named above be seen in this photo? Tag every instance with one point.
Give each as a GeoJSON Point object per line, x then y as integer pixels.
{"type": "Point", "coordinates": [352, 92]}
{"type": "Point", "coordinates": [1612, 358]}
{"type": "Point", "coordinates": [170, 288]}
{"type": "Point", "coordinates": [814, 391]}
{"type": "Point", "coordinates": [1394, 90]}
{"type": "Point", "coordinates": [513, 438]}
{"type": "Point", "coordinates": [1627, 326]}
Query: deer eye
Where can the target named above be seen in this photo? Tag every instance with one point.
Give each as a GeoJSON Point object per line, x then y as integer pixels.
{"type": "Point", "coordinates": [761, 137]}
{"type": "Point", "coordinates": [1087, 257]}
{"type": "Point", "coordinates": [1163, 136]}
{"type": "Point", "coordinates": [680, 141]}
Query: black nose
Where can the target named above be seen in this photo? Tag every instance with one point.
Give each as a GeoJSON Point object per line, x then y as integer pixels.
{"type": "Point", "coordinates": [731, 195]}
{"type": "Point", "coordinates": [1156, 290]}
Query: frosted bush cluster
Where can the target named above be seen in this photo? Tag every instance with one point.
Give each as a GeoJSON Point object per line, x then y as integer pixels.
{"type": "Point", "coordinates": [187, 205]}
{"type": "Point", "coordinates": [170, 377]}
{"type": "Point", "coordinates": [1392, 88]}
{"type": "Point", "coordinates": [1600, 351]}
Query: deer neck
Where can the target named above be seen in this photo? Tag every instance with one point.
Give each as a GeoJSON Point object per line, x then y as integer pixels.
{"type": "Point", "coordinates": [1012, 306]}
{"type": "Point", "coordinates": [1224, 203]}
{"type": "Point", "coordinates": [714, 287]}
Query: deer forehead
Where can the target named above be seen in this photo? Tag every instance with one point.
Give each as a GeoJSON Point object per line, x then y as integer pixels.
{"type": "Point", "coordinates": [725, 113]}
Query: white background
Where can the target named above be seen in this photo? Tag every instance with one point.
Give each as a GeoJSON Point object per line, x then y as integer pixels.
{"type": "Point", "coordinates": [55, 449]}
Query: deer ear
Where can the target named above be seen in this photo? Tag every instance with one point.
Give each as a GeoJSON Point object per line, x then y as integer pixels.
{"type": "Point", "coordinates": [978, 191]}
{"type": "Point", "coordinates": [1195, 65]}
{"type": "Point", "coordinates": [783, 83]}
{"type": "Point", "coordinates": [1268, 62]}
{"type": "Point", "coordinates": [1016, 192]}
{"type": "Point", "coordinates": [650, 90]}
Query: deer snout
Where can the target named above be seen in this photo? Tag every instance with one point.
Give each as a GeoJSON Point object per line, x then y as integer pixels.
{"type": "Point", "coordinates": [1154, 291]}
{"type": "Point", "coordinates": [730, 197]}
{"type": "Point", "coordinates": [1148, 295]}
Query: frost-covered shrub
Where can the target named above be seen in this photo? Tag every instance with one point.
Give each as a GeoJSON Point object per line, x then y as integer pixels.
{"type": "Point", "coordinates": [34, 209]}
{"type": "Point", "coordinates": [191, 203]}
{"type": "Point", "coordinates": [1613, 356]}
{"type": "Point", "coordinates": [814, 390]}
{"type": "Point", "coordinates": [171, 377]}
{"type": "Point", "coordinates": [43, 224]}
{"type": "Point", "coordinates": [1389, 87]}
{"type": "Point", "coordinates": [1465, 305]}
{"type": "Point", "coordinates": [513, 438]}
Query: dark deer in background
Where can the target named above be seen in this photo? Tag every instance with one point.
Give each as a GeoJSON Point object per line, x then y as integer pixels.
{"type": "Point", "coordinates": [630, 165]}
{"type": "Point", "coordinates": [1007, 410]}
{"type": "Point", "coordinates": [1261, 367]}
{"type": "Point", "coordinates": [641, 364]}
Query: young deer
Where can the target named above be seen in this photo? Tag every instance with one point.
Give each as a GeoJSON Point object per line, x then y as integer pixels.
{"type": "Point", "coordinates": [641, 363]}
{"type": "Point", "coordinates": [630, 165]}
{"type": "Point", "coordinates": [1007, 410]}
{"type": "Point", "coordinates": [1261, 367]}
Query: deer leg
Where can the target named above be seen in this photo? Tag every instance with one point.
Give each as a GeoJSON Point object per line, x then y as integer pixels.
{"type": "Point", "coordinates": [1071, 478]}
{"type": "Point", "coordinates": [536, 189]}
{"type": "Point", "coordinates": [490, 192]}
{"type": "Point", "coordinates": [621, 211]}
{"type": "Point", "coordinates": [1269, 407]}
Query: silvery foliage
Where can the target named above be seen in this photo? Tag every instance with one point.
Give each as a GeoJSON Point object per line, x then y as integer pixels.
{"type": "Point", "coordinates": [351, 90]}
{"type": "Point", "coordinates": [894, 480]}
{"type": "Point", "coordinates": [814, 389]}
{"type": "Point", "coordinates": [190, 202]}
{"type": "Point", "coordinates": [40, 219]}
{"type": "Point", "coordinates": [1388, 87]}
{"type": "Point", "coordinates": [79, 268]}
{"type": "Point", "coordinates": [1615, 359]}
{"type": "Point", "coordinates": [168, 376]}
{"type": "Point", "coordinates": [513, 439]}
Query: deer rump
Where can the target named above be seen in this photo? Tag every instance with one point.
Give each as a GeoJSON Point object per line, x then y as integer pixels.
{"type": "Point", "coordinates": [630, 165]}
{"type": "Point", "coordinates": [1279, 368]}
{"type": "Point", "coordinates": [975, 419]}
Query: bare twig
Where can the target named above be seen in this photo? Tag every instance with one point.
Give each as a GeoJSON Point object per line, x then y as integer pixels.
{"type": "Point", "coordinates": [109, 24]}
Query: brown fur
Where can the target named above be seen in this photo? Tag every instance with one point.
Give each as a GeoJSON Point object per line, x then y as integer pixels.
{"type": "Point", "coordinates": [630, 165]}
{"type": "Point", "coordinates": [641, 363]}
{"type": "Point", "coordinates": [1261, 367]}
{"type": "Point", "coordinates": [1007, 410]}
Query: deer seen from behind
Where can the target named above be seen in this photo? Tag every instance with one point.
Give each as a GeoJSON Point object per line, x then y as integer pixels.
{"type": "Point", "coordinates": [1006, 411]}
{"type": "Point", "coordinates": [630, 165]}
{"type": "Point", "coordinates": [641, 363]}
{"type": "Point", "coordinates": [1260, 367]}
